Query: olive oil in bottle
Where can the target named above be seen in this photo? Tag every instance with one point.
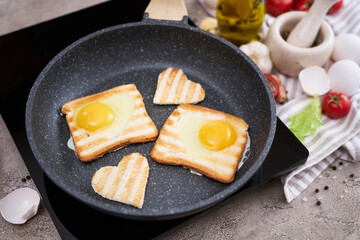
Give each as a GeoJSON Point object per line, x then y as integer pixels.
{"type": "Point", "coordinates": [240, 20]}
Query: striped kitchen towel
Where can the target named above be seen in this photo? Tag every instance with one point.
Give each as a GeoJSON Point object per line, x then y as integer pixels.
{"type": "Point", "coordinates": [335, 138]}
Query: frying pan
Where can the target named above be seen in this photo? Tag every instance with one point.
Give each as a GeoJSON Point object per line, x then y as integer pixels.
{"type": "Point", "coordinates": [137, 53]}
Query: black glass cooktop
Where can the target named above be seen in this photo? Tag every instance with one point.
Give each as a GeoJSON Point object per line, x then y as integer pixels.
{"type": "Point", "coordinates": [24, 53]}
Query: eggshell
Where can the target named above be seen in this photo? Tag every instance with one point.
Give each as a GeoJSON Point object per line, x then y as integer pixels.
{"type": "Point", "coordinates": [344, 77]}
{"type": "Point", "coordinates": [314, 81]}
{"type": "Point", "coordinates": [20, 205]}
{"type": "Point", "coordinates": [347, 46]}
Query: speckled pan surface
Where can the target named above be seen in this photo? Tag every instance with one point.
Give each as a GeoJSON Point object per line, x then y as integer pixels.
{"type": "Point", "coordinates": [137, 53]}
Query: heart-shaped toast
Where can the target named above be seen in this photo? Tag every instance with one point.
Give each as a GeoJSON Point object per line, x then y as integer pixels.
{"type": "Point", "coordinates": [173, 87]}
{"type": "Point", "coordinates": [125, 183]}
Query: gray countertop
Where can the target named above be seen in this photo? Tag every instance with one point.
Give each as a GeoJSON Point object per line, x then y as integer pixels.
{"type": "Point", "coordinates": [261, 213]}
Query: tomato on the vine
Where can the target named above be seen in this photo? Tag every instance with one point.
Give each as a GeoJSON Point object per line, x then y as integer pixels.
{"type": "Point", "coordinates": [277, 7]}
{"type": "Point", "coordinates": [336, 105]}
{"type": "Point", "coordinates": [274, 85]}
{"type": "Point", "coordinates": [304, 5]}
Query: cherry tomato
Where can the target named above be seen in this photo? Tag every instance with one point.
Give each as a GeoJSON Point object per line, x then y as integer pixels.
{"type": "Point", "coordinates": [334, 8]}
{"type": "Point", "coordinates": [336, 105]}
{"type": "Point", "coordinates": [277, 7]}
{"type": "Point", "coordinates": [304, 5]}
{"type": "Point", "coordinates": [274, 85]}
{"type": "Point", "coordinates": [296, 2]}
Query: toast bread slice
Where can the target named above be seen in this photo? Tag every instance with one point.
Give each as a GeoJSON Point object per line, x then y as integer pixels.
{"type": "Point", "coordinates": [220, 165]}
{"type": "Point", "coordinates": [125, 183]}
{"type": "Point", "coordinates": [90, 145]}
{"type": "Point", "coordinates": [173, 87]}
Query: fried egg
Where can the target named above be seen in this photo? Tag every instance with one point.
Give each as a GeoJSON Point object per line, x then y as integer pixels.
{"type": "Point", "coordinates": [107, 121]}
{"type": "Point", "coordinates": [202, 136]}
{"type": "Point", "coordinates": [107, 116]}
{"type": "Point", "coordinates": [203, 140]}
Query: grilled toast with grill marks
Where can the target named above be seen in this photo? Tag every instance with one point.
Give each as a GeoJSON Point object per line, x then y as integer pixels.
{"type": "Point", "coordinates": [220, 165]}
{"type": "Point", "coordinates": [90, 145]}
{"type": "Point", "coordinates": [125, 183]}
{"type": "Point", "coordinates": [173, 87]}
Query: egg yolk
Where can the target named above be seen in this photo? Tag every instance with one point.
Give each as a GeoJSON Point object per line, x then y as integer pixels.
{"type": "Point", "coordinates": [217, 135]}
{"type": "Point", "coordinates": [94, 116]}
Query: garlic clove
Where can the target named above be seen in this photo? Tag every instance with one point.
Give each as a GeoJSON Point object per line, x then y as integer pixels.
{"type": "Point", "coordinates": [20, 205]}
{"type": "Point", "coordinates": [314, 81]}
{"type": "Point", "coordinates": [209, 24]}
{"type": "Point", "coordinates": [260, 54]}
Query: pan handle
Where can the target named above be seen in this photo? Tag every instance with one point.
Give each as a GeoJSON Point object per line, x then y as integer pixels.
{"type": "Point", "coordinates": [173, 10]}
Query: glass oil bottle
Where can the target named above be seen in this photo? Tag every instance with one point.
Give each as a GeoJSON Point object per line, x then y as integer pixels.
{"type": "Point", "coordinates": [240, 20]}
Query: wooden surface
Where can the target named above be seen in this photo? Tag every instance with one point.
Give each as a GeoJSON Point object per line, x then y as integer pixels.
{"type": "Point", "coordinates": [167, 9]}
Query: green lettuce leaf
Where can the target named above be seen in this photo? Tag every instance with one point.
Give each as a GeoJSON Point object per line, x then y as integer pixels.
{"type": "Point", "coordinates": [306, 122]}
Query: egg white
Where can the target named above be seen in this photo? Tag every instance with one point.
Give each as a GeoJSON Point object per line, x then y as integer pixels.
{"type": "Point", "coordinates": [123, 107]}
{"type": "Point", "coordinates": [188, 128]}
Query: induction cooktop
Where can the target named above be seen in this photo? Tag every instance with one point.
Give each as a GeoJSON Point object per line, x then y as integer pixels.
{"type": "Point", "coordinates": [24, 53]}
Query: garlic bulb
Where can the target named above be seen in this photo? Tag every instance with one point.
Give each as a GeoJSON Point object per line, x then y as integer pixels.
{"type": "Point", "coordinates": [209, 24]}
{"type": "Point", "coordinates": [260, 54]}
{"type": "Point", "coordinates": [211, 4]}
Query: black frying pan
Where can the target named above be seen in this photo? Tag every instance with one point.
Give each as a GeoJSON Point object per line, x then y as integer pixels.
{"type": "Point", "coordinates": [137, 53]}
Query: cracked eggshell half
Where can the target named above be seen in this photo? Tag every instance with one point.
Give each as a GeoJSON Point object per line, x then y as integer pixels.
{"type": "Point", "coordinates": [20, 205]}
{"type": "Point", "coordinates": [314, 81]}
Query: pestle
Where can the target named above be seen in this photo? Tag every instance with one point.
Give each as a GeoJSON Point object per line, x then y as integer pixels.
{"type": "Point", "coordinates": [305, 32]}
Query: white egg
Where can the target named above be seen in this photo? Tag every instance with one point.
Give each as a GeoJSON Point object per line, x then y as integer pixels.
{"type": "Point", "coordinates": [347, 46]}
{"type": "Point", "coordinates": [20, 205]}
{"type": "Point", "coordinates": [314, 81]}
{"type": "Point", "coordinates": [344, 77]}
